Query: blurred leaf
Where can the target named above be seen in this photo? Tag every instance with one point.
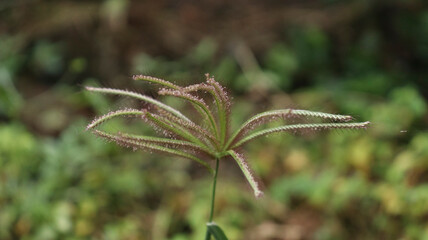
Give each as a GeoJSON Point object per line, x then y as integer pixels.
{"type": "Point", "coordinates": [311, 47]}
{"type": "Point", "coordinates": [283, 63]}
{"type": "Point", "coordinates": [216, 231]}
{"type": "Point", "coordinates": [227, 69]}
{"type": "Point", "coordinates": [78, 65]}
{"type": "Point", "coordinates": [48, 57]}
{"type": "Point", "coordinates": [10, 100]}
{"type": "Point", "coordinates": [203, 52]}
{"type": "Point", "coordinates": [363, 58]}
{"type": "Point", "coordinates": [411, 99]}
{"type": "Point", "coordinates": [375, 83]}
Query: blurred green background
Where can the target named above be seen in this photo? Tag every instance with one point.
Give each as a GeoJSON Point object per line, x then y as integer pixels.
{"type": "Point", "coordinates": [367, 58]}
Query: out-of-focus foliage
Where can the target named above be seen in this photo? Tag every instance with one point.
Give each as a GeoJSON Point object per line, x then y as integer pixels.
{"type": "Point", "coordinates": [368, 59]}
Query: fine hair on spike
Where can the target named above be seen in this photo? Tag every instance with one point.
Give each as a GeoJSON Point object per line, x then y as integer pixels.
{"type": "Point", "coordinates": [297, 127]}
{"type": "Point", "coordinates": [166, 142]}
{"type": "Point", "coordinates": [99, 120]}
{"type": "Point", "coordinates": [153, 147]}
{"type": "Point", "coordinates": [139, 97]}
{"type": "Point", "coordinates": [182, 94]}
{"type": "Point", "coordinates": [199, 104]}
{"type": "Point", "coordinates": [274, 115]}
{"type": "Point", "coordinates": [156, 81]}
{"type": "Point", "coordinates": [192, 127]}
{"type": "Point", "coordinates": [242, 163]}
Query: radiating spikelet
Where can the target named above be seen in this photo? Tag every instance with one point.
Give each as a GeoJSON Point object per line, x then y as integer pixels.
{"type": "Point", "coordinates": [335, 117]}
{"type": "Point", "coordinates": [242, 163]}
{"type": "Point", "coordinates": [296, 127]}
{"type": "Point", "coordinates": [198, 87]}
{"type": "Point", "coordinates": [156, 80]}
{"type": "Point", "coordinates": [283, 114]}
{"type": "Point", "coordinates": [192, 127]}
{"type": "Point", "coordinates": [139, 97]}
{"type": "Point", "coordinates": [224, 96]}
{"type": "Point", "coordinates": [224, 114]}
{"type": "Point", "coordinates": [220, 91]}
{"type": "Point", "coordinates": [258, 120]}
{"type": "Point", "coordinates": [223, 106]}
{"type": "Point", "coordinates": [169, 143]}
{"type": "Point", "coordinates": [199, 104]}
{"type": "Point", "coordinates": [184, 95]}
{"type": "Point", "coordinates": [152, 147]}
{"type": "Point", "coordinates": [173, 128]}
{"type": "Point", "coordinates": [124, 112]}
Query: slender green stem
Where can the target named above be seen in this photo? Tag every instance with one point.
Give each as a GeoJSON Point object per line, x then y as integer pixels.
{"type": "Point", "coordinates": [214, 187]}
{"type": "Point", "coordinates": [208, 234]}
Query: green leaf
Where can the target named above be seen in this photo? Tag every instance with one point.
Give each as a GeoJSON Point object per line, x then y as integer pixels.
{"type": "Point", "coordinates": [216, 231]}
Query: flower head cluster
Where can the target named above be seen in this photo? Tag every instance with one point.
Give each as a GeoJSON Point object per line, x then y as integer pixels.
{"type": "Point", "coordinates": [210, 138]}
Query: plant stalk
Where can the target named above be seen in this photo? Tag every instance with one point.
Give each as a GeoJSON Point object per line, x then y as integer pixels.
{"type": "Point", "coordinates": [208, 234]}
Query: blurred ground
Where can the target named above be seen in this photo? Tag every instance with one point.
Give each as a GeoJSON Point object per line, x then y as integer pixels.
{"type": "Point", "coordinates": [365, 58]}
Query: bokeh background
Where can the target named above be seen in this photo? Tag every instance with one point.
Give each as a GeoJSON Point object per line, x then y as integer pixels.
{"type": "Point", "coordinates": [364, 58]}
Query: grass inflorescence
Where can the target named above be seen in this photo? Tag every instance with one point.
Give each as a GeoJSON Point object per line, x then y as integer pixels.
{"type": "Point", "coordinates": [211, 137]}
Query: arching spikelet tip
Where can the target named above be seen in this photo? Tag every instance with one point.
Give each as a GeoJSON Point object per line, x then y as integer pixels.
{"type": "Point", "coordinates": [259, 194]}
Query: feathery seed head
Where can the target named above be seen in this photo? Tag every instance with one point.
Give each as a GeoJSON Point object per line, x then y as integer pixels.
{"type": "Point", "coordinates": [210, 137]}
